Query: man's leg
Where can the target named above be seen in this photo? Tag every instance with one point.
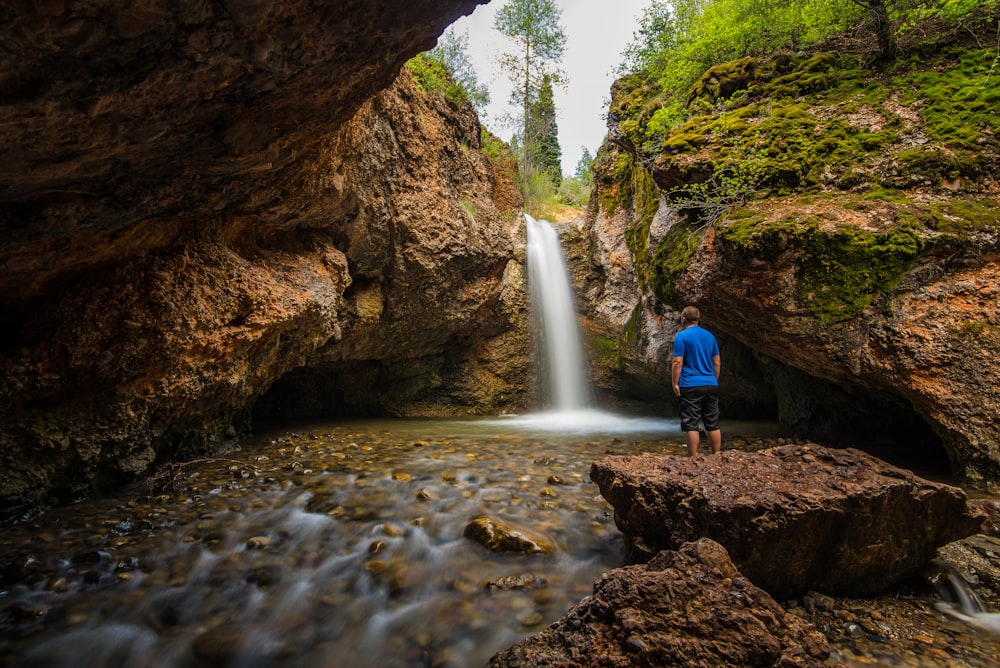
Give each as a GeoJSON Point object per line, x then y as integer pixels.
{"type": "Point", "coordinates": [715, 440]}
{"type": "Point", "coordinates": [692, 442]}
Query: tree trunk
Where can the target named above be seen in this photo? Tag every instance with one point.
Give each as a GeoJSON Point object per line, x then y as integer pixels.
{"type": "Point", "coordinates": [879, 14]}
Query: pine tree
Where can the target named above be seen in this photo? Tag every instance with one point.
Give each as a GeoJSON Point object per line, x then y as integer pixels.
{"type": "Point", "coordinates": [534, 27]}
{"type": "Point", "coordinates": [544, 132]}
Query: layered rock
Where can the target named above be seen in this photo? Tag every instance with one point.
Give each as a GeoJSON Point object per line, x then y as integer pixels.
{"type": "Point", "coordinates": [688, 607]}
{"type": "Point", "coordinates": [201, 198]}
{"type": "Point", "coordinates": [854, 251]}
{"type": "Point", "coordinates": [793, 518]}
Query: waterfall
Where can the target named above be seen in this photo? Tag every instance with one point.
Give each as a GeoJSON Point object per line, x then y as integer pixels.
{"type": "Point", "coordinates": [557, 332]}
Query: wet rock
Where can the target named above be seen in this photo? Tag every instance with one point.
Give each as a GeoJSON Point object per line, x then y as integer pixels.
{"type": "Point", "coordinates": [523, 581]}
{"type": "Point", "coordinates": [264, 576]}
{"type": "Point", "coordinates": [218, 646]}
{"type": "Point", "coordinates": [793, 518]}
{"type": "Point", "coordinates": [498, 536]}
{"type": "Point", "coordinates": [991, 509]}
{"type": "Point", "coordinates": [258, 542]}
{"type": "Point", "coordinates": [90, 557]}
{"type": "Point", "coordinates": [130, 527]}
{"type": "Point", "coordinates": [690, 607]}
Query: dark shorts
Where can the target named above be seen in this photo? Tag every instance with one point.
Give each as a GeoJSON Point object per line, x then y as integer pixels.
{"type": "Point", "coordinates": [700, 404]}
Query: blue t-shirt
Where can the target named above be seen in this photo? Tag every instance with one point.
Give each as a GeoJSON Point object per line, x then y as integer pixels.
{"type": "Point", "coordinates": [698, 348]}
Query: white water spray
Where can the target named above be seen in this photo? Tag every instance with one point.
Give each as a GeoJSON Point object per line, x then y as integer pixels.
{"type": "Point", "coordinates": [553, 310]}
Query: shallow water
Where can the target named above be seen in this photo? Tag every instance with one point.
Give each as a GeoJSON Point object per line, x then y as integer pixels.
{"type": "Point", "coordinates": [332, 545]}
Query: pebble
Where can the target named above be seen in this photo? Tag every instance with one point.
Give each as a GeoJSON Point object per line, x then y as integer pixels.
{"type": "Point", "coordinates": [365, 539]}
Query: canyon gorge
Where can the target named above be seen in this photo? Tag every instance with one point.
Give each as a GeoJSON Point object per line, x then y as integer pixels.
{"type": "Point", "coordinates": [216, 213]}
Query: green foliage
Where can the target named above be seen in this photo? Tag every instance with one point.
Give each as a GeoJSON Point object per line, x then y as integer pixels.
{"type": "Point", "coordinates": [446, 70]}
{"type": "Point", "coordinates": [584, 166]}
{"type": "Point", "coordinates": [545, 153]}
{"type": "Point", "coordinates": [574, 191]}
{"type": "Point", "coordinates": [534, 27]}
{"type": "Point", "coordinates": [814, 127]}
{"type": "Point", "coordinates": [677, 41]}
{"type": "Point", "coordinates": [469, 207]}
{"type": "Point", "coordinates": [538, 190]}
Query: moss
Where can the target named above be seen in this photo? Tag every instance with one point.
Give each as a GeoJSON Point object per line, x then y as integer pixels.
{"type": "Point", "coordinates": [936, 163]}
{"type": "Point", "coordinates": [608, 352]}
{"type": "Point", "coordinates": [469, 207]}
{"type": "Point", "coordinates": [960, 97]}
{"type": "Point", "coordinates": [637, 235]}
{"type": "Point", "coordinates": [841, 271]}
{"type": "Point", "coordinates": [614, 170]}
{"type": "Point", "coordinates": [672, 257]}
{"type": "Point", "coordinates": [722, 81]}
{"type": "Point", "coordinates": [960, 218]}
{"type": "Point", "coordinates": [977, 332]}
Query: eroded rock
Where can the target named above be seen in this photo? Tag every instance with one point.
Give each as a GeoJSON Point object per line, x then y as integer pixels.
{"type": "Point", "coordinates": [793, 518]}
{"type": "Point", "coordinates": [203, 202]}
{"type": "Point", "coordinates": [688, 607]}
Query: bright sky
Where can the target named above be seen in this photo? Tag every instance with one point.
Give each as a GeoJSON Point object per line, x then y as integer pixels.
{"type": "Point", "coordinates": [596, 34]}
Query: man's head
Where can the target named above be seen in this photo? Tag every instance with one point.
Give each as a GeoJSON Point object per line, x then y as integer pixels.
{"type": "Point", "coordinates": [690, 315]}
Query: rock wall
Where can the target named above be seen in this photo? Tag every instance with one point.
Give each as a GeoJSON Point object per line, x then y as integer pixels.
{"type": "Point", "coordinates": [201, 198]}
{"type": "Point", "coordinates": [857, 257]}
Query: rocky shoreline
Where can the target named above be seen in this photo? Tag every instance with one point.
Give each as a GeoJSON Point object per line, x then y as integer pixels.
{"type": "Point", "coordinates": [911, 588]}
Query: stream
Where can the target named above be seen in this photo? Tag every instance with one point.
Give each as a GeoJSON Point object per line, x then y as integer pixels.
{"type": "Point", "coordinates": [334, 544]}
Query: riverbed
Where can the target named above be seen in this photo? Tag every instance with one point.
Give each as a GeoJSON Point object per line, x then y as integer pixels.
{"type": "Point", "coordinates": [342, 544]}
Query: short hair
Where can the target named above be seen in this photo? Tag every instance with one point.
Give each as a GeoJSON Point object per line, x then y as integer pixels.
{"type": "Point", "coordinates": [691, 314]}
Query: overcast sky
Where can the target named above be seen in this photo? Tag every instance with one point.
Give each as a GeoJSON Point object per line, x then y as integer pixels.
{"type": "Point", "coordinates": [596, 34]}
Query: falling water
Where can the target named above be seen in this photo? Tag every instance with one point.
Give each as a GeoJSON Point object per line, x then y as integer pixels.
{"type": "Point", "coordinates": [556, 326]}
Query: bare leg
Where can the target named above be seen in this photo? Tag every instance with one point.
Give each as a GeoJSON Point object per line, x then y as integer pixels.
{"type": "Point", "coordinates": [715, 440]}
{"type": "Point", "coordinates": [692, 442]}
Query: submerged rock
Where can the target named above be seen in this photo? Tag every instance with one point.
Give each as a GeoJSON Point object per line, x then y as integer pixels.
{"type": "Point", "coordinates": [498, 536]}
{"type": "Point", "coordinates": [690, 607]}
{"type": "Point", "coordinates": [793, 518]}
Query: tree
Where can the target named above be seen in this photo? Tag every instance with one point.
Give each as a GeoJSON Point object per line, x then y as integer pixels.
{"type": "Point", "coordinates": [878, 15]}
{"type": "Point", "coordinates": [534, 27]}
{"type": "Point", "coordinates": [447, 70]}
{"type": "Point", "coordinates": [544, 133]}
{"type": "Point", "coordinates": [452, 51]}
{"type": "Point", "coordinates": [585, 166]}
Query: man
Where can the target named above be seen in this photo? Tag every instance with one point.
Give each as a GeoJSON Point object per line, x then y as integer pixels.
{"type": "Point", "coordinates": [695, 375]}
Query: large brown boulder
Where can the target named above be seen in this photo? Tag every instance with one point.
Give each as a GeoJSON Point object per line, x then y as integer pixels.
{"type": "Point", "coordinates": [793, 518]}
{"type": "Point", "coordinates": [690, 607]}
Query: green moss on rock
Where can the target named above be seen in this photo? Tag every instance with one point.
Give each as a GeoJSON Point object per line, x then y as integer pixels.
{"type": "Point", "coordinates": [841, 270]}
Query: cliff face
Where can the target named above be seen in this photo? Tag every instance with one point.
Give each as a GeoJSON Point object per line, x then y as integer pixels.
{"type": "Point", "coordinates": [199, 199]}
{"type": "Point", "coordinates": [856, 254]}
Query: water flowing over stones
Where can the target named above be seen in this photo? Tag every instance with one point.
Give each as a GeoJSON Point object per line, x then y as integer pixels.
{"type": "Point", "coordinates": [688, 607]}
{"type": "Point", "coordinates": [793, 518]}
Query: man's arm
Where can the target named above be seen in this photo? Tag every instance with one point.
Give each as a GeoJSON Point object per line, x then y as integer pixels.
{"type": "Point", "coordinates": [675, 374]}
{"type": "Point", "coordinates": [717, 363]}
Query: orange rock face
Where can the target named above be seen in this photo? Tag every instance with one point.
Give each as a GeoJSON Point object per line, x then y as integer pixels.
{"type": "Point", "coordinates": [199, 199]}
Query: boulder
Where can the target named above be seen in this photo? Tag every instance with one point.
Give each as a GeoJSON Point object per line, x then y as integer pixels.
{"type": "Point", "coordinates": [793, 518]}
{"type": "Point", "coordinates": [688, 607]}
